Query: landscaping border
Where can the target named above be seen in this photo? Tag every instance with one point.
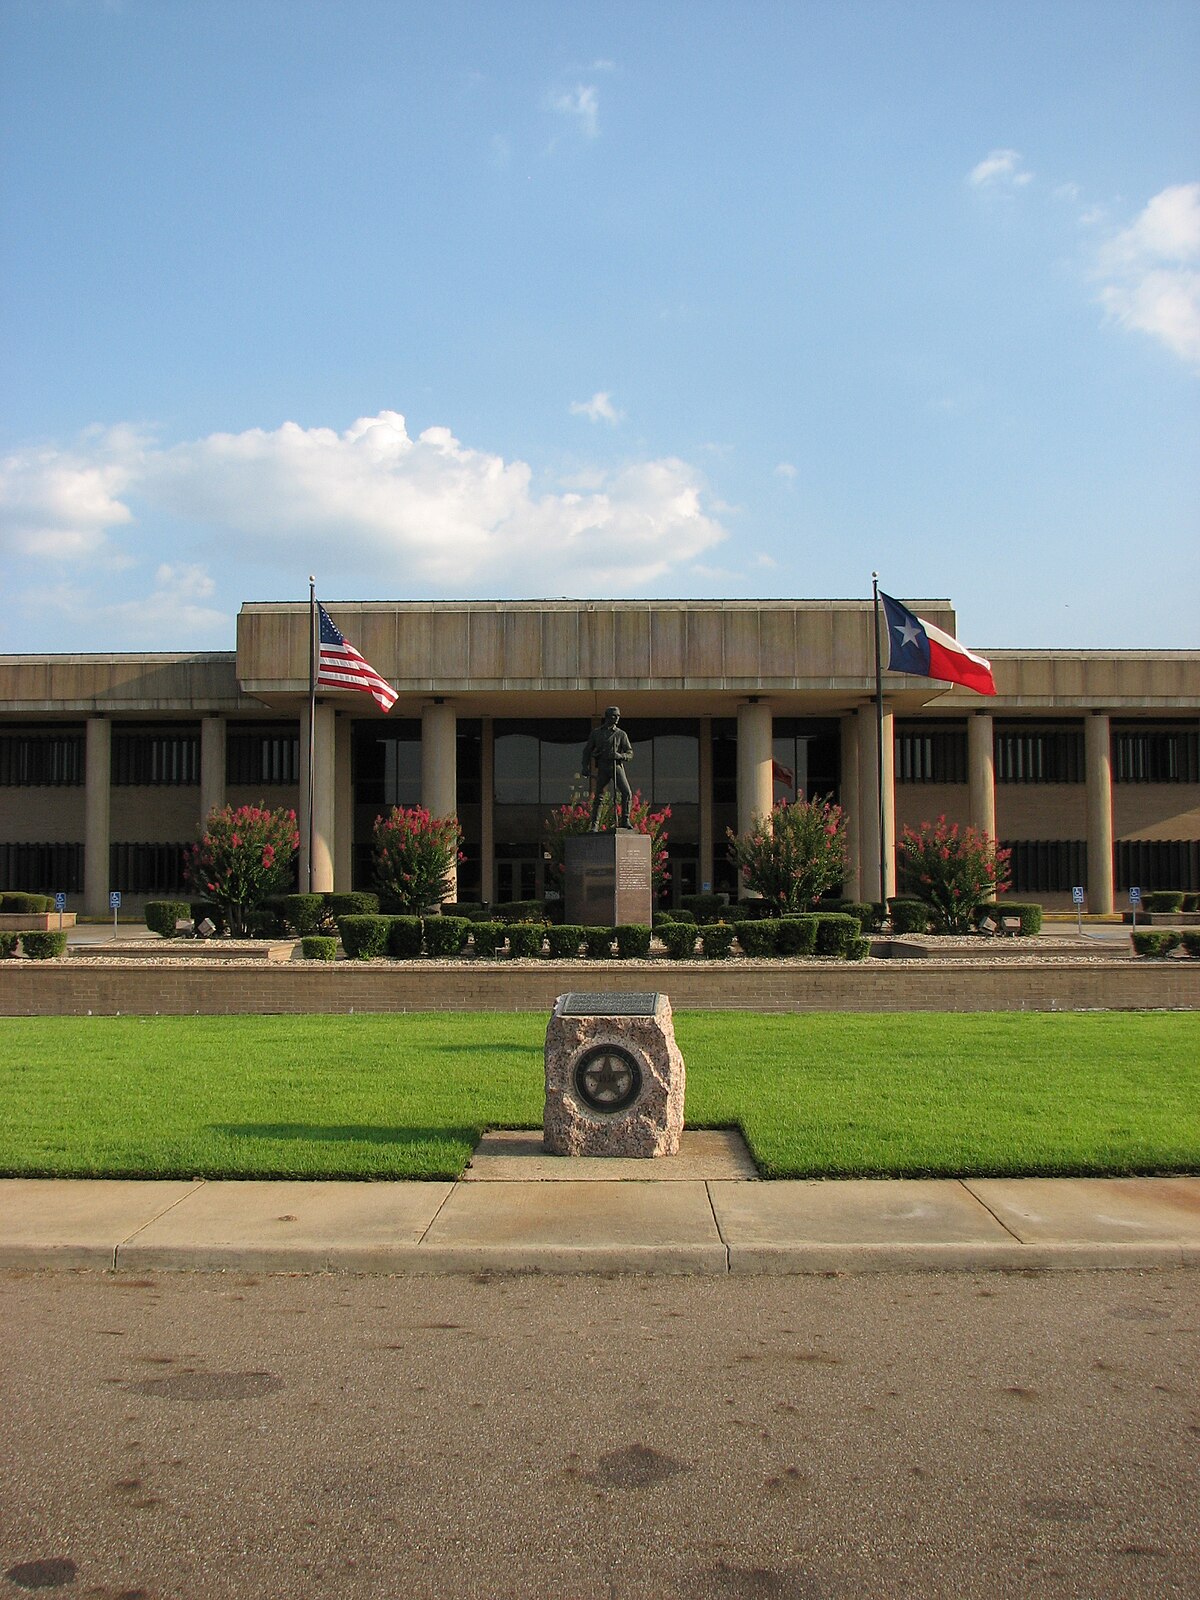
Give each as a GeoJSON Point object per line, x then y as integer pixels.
{"type": "Point", "coordinates": [97, 988]}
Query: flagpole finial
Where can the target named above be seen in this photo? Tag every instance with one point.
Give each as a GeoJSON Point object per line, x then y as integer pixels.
{"type": "Point", "coordinates": [312, 577]}
{"type": "Point", "coordinates": [875, 576]}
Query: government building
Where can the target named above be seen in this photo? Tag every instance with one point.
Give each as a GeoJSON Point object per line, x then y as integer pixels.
{"type": "Point", "coordinates": [1086, 763]}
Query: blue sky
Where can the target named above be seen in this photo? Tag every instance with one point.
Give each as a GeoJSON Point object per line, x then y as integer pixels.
{"type": "Point", "coordinates": [524, 299]}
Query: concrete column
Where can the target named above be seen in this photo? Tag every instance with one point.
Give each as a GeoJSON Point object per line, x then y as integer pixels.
{"type": "Point", "coordinates": [868, 792]}
{"type": "Point", "coordinates": [981, 773]}
{"type": "Point", "coordinates": [98, 810]}
{"type": "Point", "coordinates": [706, 862]}
{"type": "Point", "coordinates": [439, 768]}
{"type": "Point", "coordinates": [321, 879]}
{"type": "Point", "coordinates": [755, 792]}
{"type": "Point", "coordinates": [343, 806]}
{"type": "Point", "coordinates": [212, 764]}
{"type": "Point", "coordinates": [487, 816]}
{"type": "Point", "coordinates": [851, 802]}
{"type": "Point", "coordinates": [1098, 753]}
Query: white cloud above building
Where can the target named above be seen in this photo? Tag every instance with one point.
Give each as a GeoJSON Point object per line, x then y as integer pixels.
{"type": "Point", "coordinates": [1149, 272]}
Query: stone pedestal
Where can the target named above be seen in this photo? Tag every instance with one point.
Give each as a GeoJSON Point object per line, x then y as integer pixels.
{"type": "Point", "coordinates": [608, 879]}
{"type": "Point", "coordinates": [615, 1079]}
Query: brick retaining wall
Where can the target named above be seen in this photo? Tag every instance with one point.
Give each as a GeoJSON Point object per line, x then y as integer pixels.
{"type": "Point", "coordinates": [67, 988]}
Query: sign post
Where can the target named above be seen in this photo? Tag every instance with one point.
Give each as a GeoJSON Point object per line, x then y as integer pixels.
{"type": "Point", "coordinates": [114, 901]}
{"type": "Point", "coordinates": [1135, 900]}
{"type": "Point", "coordinates": [1077, 897]}
{"type": "Point", "coordinates": [60, 905]}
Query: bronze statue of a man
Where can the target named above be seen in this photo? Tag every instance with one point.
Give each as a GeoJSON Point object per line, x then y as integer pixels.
{"type": "Point", "coordinates": [608, 749]}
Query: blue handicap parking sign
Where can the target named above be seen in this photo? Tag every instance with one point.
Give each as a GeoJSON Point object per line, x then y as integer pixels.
{"type": "Point", "coordinates": [114, 900]}
{"type": "Point", "coordinates": [1077, 895]}
{"type": "Point", "coordinates": [60, 901]}
{"type": "Point", "coordinates": [1135, 896]}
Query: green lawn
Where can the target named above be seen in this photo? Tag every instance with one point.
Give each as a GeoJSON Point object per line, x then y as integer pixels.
{"type": "Point", "coordinates": [407, 1096]}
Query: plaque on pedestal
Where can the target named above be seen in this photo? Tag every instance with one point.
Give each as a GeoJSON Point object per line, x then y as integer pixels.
{"type": "Point", "coordinates": [608, 879]}
{"type": "Point", "coordinates": [615, 1079]}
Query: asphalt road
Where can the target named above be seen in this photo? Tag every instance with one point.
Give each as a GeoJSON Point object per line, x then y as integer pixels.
{"type": "Point", "coordinates": [202, 1436]}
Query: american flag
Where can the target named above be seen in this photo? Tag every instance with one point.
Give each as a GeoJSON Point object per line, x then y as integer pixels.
{"type": "Point", "coordinates": [339, 665]}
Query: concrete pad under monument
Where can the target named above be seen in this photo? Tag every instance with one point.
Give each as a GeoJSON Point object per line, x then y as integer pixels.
{"type": "Point", "coordinates": [608, 879]}
{"type": "Point", "coordinates": [615, 1079]}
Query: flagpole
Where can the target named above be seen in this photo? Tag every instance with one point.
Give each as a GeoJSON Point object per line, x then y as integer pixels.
{"type": "Point", "coordinates": [879, 742]}
{"type": "Point", "coordinates": [312, 714]}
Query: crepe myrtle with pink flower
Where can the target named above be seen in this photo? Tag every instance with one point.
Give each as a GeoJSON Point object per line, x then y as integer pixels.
{"type": "Point", "coordinates": [795, 854]}
{"type": "Point", "coordinates": [413, 855]}
{"type": "Point", "coordinates": [244, 855]}
{"type": "Point", "coordinates": [954, 871]}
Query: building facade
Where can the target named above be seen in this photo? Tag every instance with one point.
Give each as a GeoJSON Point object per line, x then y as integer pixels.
{"type": "Point", "coordinates": [1086, 763]}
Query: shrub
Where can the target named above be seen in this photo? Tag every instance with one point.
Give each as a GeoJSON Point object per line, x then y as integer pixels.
{"type": "Point", "coordinates": [679, 940]}
{"type": "Point", "coordinates": [597, 942]}
{"type": "Point", "coordinates": [908, 916]}
{"type": "Point", "coordinates": [513, 911]}
{"type": "Point", "coordinates": [44, 946]}
{"type": "Point", "coordinates": [265, 922]}
{"type": "Point", "coordinates": [574, 818]}
{"type": "Point", "coordinates": [758, 938]}
{"type": "Point", "coordinates": [953, 872]}
{"type": "Point", "coordinates": [1147, 941]}
{"type": "Point", "coordinates": [1030, 915]}
{"type": "Point", "coordinates": [16, 901]}
{"type": "Point", "coordinates": [525, 939]}
{"type": "Point", "coordinates": [162, 915]}
{"type": "Point", "coordinates": [633, 941]}
{"type": "Point", "coordinates": [413, 854]}
{"type": "Point", "coordinates": [1164, 900]}
{"type": "Point", "coordinates": [358, 903]}
{"type": "Point", "coordinates": [682, 916]}
{"type": "Point", "coordinates": [871, 913]}
{"type": "Point", "coordinates": [837, 934]}
{"type": "Point", "coordinates": [473, 910]}
{"type": "Point", "coordinates": [487, 937]}
{"type": "Point", "coordinates": [304, 913]}
{"type": "Point", "coordinates": [364, 937]}
{"type": "Point", "coordinates": [208, 910]}
{"type": "Point", "coordinates": [564, 941]}
{"type": "Point", "coordinates": [404, 937]}
{"type": "Point", "coordinates": [1191, 941]}
{"type": "Point", "coordinates": [318, 947]}
{"type": "Point", "coordinates": [244, 855]}
{"type": "Point", "coordinates": [797, 935]}
{"type": "Point", "coordinates": [446, 936]}
{"type": "Point", "coordinates": [795, 854]}
{"type": "Point", "coordinates": [1191, 902]}
{"type": "Point", "coordinates": [8, 945]}
{"type": "Point", "coordinates": [716, 940]}
{"type": "Point", "coordinates": [702, 907]}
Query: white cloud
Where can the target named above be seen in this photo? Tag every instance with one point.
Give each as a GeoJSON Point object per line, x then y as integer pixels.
{"type": "Point", "coordinates": [999, 167]}
{"type": "Point", "coordinates": [172, 615]}
{"type": "Point", "coordinates": [60, 505]}
{"type": "Point", "coordinates": [599, 408]}
{"type": "Point", "coordinates": [1150, 272]}
{"type": "Point", "coordinates": [427, 513]}
{"type": "Point", "coordinates": [785, 469]}
{"type": "Point", "coordinates": [581, 102]}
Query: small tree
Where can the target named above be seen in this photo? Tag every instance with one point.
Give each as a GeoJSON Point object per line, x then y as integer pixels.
{"type": "Point", "coordinates": [953, 872]}
{"type": "Point", "coordinates": [793, 855]}
{"type": "Point", "coordinates": [575, 818]}
{"type": "Point", "coordinates": [413, 855]}
{"type": "Point", "coordinates": [243, 856]}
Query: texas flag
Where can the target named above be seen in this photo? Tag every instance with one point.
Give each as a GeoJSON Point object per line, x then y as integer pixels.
{"type": "Point", "coordinates": [920, 648]}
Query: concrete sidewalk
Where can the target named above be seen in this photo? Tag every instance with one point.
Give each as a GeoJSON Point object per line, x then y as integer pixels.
{"type": "Point", "coordinates": [516, 1210]}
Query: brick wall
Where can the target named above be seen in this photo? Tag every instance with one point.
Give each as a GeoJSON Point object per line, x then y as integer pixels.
{"type": "Point", "coordinates": [92, 988]}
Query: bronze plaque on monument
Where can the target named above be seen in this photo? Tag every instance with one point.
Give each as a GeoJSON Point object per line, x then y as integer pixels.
{"type": "Point", "coordinates": [608, 879]}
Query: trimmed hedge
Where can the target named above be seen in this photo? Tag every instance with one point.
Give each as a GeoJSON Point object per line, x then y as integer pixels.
{"type": "Point", "coordinates": [44, 945]}
{"type": "Point", "coordinates": [1191, 902]}
{"type": "Point", "coordinates": [525, 939]}
{"type": "Point", "coordinates": [564, 940]}
{"type": "Point", "coordinates": [487, 937]}
{"type": "Point", "coordinates": [304, 913]}
{"type": "Point", "coordinates": [908, 915]}
{"type": "Point", "coordinates": [758, 938]}
{"type": "Point", "coordinates": [472, 910]}
{"type": "Point", "coordinates": [1030, 915]}
{"type": "Point", "coordinates": [1163, 900]}
{"type": "Point", "coordinates": [679, 940]}
{"type": "Point", "coordinates": [357, 903]}
{"type": "Point", "coordinates": [633, 941]}
{"type": "Point", "coordinates": [8, 945]}
{"type": "Point", "coordinates": [872, 914]}
{"type": "Point", "coordinates": [162, 915]}
{"type": "Point", "coordinates": [16, 901]}
{"type": "Point", "coordinates": [318, 947]}
{"type": "Point", "coordinates": [716, 940]}
{"type": "Point", "coordinates": [797, 935]}
{"type": "Point", "coordinates": [404, 937]}
{"type": "Point", "coordinates": [1191, 942]}
{"type": "Point", "coordinates": [1155, 941]}
{"type": "Point", "coordinates": [838, 934]}
{"type": "Point", "coordinates": [706, 908]}
{"type": "Point", "coordinates": [365, 936]}
{"type": "Point", "coordinates": [597, 942]}
{"type": "Point", "coordinates": [520, 911]}
{"type": "Point", "coordinates": [446, 936]}
{"type": "Point", "coordinates": [678, 916]}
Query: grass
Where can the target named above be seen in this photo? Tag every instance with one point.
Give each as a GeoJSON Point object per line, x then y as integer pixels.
{"type": "Point", "coordinates": [826, 1095]}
